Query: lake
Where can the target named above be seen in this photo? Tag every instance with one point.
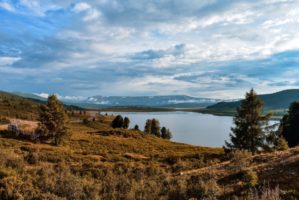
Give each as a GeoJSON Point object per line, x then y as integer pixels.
{"type": "Point", "coordinates": [187, 127]}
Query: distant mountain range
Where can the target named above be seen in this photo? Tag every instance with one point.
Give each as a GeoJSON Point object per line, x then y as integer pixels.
{"type": "Point", "coordinates": [167, 101]}
{"type": "Point", "coordinates": [278, 101]}
{"type": "Point", "coordinates": [170, 101]}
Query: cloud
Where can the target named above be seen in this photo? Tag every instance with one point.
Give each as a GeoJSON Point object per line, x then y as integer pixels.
{"type": "Point", "coordinates": [202, 48]}
{"type": "Point", "coordinates": [79, 7]}
{"type": "Point", "coordinates": [7, 6]}
{"type": "Point", "coordinates": [8, 60]}
{"type": "Point", "coordinates": [91, 13]}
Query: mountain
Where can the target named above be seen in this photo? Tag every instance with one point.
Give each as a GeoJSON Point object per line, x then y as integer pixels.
{"type": "Point", "coordinates": [170, 101]}
{"type": "Point", "coordinates": [276, 101]}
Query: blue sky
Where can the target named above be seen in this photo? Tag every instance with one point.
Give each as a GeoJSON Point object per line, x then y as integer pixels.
{"type": "Point", "coordinates": [204, 48]}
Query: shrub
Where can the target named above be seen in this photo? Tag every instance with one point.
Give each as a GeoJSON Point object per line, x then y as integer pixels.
{"type": "Point", "coordinates": [240, 159]}
{"type": "Point", "coordinates": [32, 158]}
{"type": "Point", "coordinates": [282, 144]}
{"type": "Point", "coordinates": [250, 178]}
{"type": "Point", "coordinates": [118, 122]}
{"type": "Point", "coordinates": [204, 187]}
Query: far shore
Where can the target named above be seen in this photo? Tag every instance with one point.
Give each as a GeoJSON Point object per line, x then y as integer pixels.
{"type": "Point", "coordinates": [275, 116]}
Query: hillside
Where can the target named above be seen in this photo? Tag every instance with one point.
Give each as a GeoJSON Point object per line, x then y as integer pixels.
{"type": "Point", "coordinates": [277, 102]}
{"type": "Point", "coordinates": [18, 107]}
{"type": "Point", "coordinates": [98, 163]}
{"type": "Point", "coordinates": [15, 106]}
{"type": "Point", "coordinates": [103, 163]}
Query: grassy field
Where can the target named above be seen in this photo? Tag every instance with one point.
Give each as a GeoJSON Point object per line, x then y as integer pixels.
{"type": "Point", "coordinates": [104, 163]}
{"type": "Point", "coordinates": [95, 157]}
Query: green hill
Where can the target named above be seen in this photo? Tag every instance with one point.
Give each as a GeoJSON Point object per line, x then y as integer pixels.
{"type": "Point", "coordinates": [277, 102]}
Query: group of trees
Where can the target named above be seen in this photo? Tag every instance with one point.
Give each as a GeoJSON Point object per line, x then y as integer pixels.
{"type": "Point", "coordinates": [252, 132]}
{"type": "Point", "coordinates": [152, 126]}
{"type": "Point", "coordinates": [120, 122]}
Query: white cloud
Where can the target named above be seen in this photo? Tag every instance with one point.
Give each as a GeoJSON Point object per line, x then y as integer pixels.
{"type": "Point", "coordinates": [5, 60]}
{"type": "Point", "coordinates": [79, 7]}
{"type": "Point", "coordinates": [7, 6]}
{"type": "Point", "coordinates": [43, 95]}
{"type": "Point", "coordinates": [90, 12]}
{"type": "Point", "coordinates": [34, 6]}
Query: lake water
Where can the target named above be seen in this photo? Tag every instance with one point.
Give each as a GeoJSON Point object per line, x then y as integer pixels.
{"type": "Point", "coordinates": [187, 127]}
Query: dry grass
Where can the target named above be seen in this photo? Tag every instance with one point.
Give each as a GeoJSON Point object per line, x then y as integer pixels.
{"type": "Point", "coordinates": [104, 163]}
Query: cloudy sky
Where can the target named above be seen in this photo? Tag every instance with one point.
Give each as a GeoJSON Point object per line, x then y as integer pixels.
{"type": "Point", "coordinates": [204, 48]}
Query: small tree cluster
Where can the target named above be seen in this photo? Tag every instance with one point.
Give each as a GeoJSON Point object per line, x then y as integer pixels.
{"type": "Point", "coordinates": [52, 121]}
{"type": "Point", "coordinates": [152, 126]}
{"type": "Point", "coordinates": [120, 122]}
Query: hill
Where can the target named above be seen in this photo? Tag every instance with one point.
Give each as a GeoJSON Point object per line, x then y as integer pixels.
{"type": "Point", "coordinates": [15, 106]}
{"type": "Point", "coordinates": [277, 102]}
{"type": "Point", "coordinates": [104, 163]}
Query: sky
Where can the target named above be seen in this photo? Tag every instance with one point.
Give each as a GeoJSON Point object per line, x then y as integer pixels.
{"type": "Point", "coordinates": [202, 48]}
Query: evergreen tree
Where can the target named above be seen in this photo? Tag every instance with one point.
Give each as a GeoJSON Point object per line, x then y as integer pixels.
{"type": "Point", "coordinates": [248, 133]}
{"type": "Point", "coordinates": [52, 121]}
{"type": "Point", "coordinates": [126, 123]}
{"type": "Point", "coordinates": [290, 125]}
{"type": "Point", "coordinates": [152, 126]}
{"type": "Point", "coordinates": [148, 126]}
{"type": "Point", "coordinates": [118, 122]}
{"type": "Point", "coordinates": [165, 133]}
{"type": "Point", "coordinates": [156, 127]}
{"type": "Point", "coordinates": [136, 127]}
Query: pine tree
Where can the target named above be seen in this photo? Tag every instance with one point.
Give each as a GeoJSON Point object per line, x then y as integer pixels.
{"type": "Point", "coordinates": [148, 126]}
{"type": "Point", "coordinates": [165, 133]}
{"type": "Point", "coordinates": [290, 125]}
{"type": "Point", "coordinates": [118, 122]}
{"type": "Point", "coordinates": [52, 121]}
{"type": "Point", "coordinates": [156, 127]}
{"type": "Point", "coordinates": [126, 123]}
{"type": "Point", "coordinates": [136, 127]}
{"type": "Point", "coordinates": [248, 133]}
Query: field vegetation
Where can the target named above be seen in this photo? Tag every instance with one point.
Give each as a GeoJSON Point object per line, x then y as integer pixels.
{"type": "Point", "coordinates": [103, 161]}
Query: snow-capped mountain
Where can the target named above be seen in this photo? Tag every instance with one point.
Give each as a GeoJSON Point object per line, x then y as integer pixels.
{"type": "Point", "coordinates": [151, 101]}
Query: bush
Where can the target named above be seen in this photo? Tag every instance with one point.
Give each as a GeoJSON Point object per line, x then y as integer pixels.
{"type": "Point", "coordinates": [32, 158]}
{"type": "Point", "coordinates": [204, 187]}
{"type": "Point", "coordinates": [282, 144]}
{"type": "Point", "coordinates": [240, 159]}
{"type": "Point", "coordinates": [118, 122]}
{"type": "Point", "coordinates": [250, 178]}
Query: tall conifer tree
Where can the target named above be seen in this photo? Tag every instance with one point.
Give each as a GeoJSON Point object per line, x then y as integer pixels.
{"type": "Point", "coordinates": [249, 133]}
